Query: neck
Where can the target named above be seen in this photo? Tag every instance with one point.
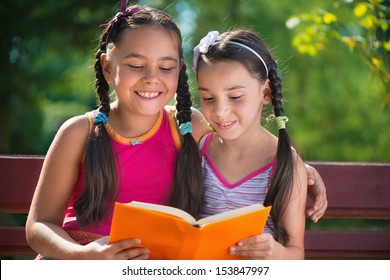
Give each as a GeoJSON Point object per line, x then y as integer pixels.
{"type": "Point", "coordinates": [129, 124]}
{"type": "Point", "coordinates": [259, 141]}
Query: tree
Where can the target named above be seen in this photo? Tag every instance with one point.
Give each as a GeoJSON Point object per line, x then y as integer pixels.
{"type": "Point", "coordinates": [43, 43]}
{"type": "Point", "coordinates": [363, 27]}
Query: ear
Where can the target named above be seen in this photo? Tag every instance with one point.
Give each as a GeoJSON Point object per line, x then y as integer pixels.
{"type": "Point", "coordinates": [105, 63]}
{"type": "Point", "coordinates": [267, 92]}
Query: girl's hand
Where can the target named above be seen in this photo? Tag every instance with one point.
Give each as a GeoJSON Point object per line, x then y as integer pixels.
{"type": "Point", "coordinates": [317, 192]}
{"type": "Point", "coordinates": [121, 250]}
{"type": "Point", "coordinates": [257, 247]}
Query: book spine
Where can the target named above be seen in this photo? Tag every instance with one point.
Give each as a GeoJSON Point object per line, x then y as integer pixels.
{"type": "Point", "coordinates": [190, 243]}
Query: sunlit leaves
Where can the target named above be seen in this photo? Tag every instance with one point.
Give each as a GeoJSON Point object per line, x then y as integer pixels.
{"type": "Point", "coordinates": [369, 22]}
{"type": "Point", "coordinates": [376, 62]}
{"type": "Point", "coordinates": [386, 46]}
{"type": "Point", "coordinates": [360, 9]}
{"type": "Point", "coordinates": [328, 18]}
{"type": "Point", "coordinates": [349, 41]}
{"type": "Point", "coordinates": [357, 25]}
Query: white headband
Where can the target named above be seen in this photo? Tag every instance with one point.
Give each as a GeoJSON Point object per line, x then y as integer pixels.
{"type": "Point", "coordinates": [211, 39]}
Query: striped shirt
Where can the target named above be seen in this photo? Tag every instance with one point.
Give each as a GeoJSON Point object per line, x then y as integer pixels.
{"type": "Point", "coordinates": [220, 195]}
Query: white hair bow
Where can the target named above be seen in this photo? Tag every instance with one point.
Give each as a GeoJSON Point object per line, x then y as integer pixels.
{"type": "Point", "coordinates": [203, 47]}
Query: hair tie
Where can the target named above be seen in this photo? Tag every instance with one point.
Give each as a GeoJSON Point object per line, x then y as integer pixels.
{"type": "Point", "coordinates": [100, 118]}
{"type": "Point", "coordinates": [125, 12]}
{"type": "Point", "coordinates": [281, 122]}
{"type": "Point", "coordinates": [185, 128]}
{"type": "Point", "coordinates": [123, 5]}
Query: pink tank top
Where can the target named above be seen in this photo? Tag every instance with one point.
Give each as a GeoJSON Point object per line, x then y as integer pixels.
{"type": "Point", "coordinates": [145, 166]}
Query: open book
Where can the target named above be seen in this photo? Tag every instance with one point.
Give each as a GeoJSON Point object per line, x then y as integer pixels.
{"type": "Point", "coordinates": [171, 233]}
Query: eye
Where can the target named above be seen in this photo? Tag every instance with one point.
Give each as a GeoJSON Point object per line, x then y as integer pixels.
{"type": "Point", "coordinates": [207, 99]}
{"type": "Point", "coordinates": [167, 69]}
{"type": "Point", "coordinates": [235, 97]}
{"type": "Point", "coordinates": [135, 66]}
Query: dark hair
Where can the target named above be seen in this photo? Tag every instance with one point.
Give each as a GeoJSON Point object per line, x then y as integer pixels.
{"type": "Point", "coordinates": [280, 188]}
{"type": "Point", "coordinates": [101, 183]}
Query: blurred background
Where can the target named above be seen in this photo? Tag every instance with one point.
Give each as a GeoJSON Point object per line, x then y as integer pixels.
{"type": "Point", "coordinates": [334, 59]}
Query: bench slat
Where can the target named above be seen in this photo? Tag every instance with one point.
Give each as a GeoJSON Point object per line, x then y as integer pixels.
{"type": "Point", "coordinates": [356, 190]}
{"type": "Point", "coordinates": [18, 179]}
{"type": "Point", "coordinates": [13, 242]}
{"type": "Point", "coordinates": [328, 244]}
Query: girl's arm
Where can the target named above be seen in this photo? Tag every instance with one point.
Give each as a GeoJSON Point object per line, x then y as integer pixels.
{"type": "Point", "coordinates": [317, 192]}
{"type": "Point", "coordinates": [264, 246]}
{"type": "Point", "coordinates": [58, 177]}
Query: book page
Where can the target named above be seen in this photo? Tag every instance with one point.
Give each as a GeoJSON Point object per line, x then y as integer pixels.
{"type": "Point", "coordinates": [230, 213]}
{"type": "Point", "coordinates": [165, 209]}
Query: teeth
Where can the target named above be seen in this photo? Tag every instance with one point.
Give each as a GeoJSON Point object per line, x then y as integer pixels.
{"type": "Point", "coordinates": [225, 124]}
{"type": "Point", "coordinates": [148, 94]}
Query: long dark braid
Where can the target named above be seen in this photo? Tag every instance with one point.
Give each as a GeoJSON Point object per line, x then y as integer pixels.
{"type": "Point", "coordinates": [279, 192]}
{"type": "Point", "coordinates": [188, 189]}
{"type": "Point", "coordinates": [100, 189]}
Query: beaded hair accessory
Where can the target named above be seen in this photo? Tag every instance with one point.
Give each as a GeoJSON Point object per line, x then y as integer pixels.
{"type": "Point", "coordinates": [211, 39]}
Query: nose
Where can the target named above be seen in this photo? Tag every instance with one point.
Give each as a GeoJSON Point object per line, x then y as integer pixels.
{"type": "Point", "coordinates": [150, 75]}
{"type": "Point", "coordinates": [221, 109]}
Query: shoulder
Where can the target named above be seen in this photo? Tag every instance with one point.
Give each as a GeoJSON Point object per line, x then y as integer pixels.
{"type": "Point", "coordinates": [72, 136]}
{"type": "Point", "coordinates": [200, 125]}
{"type": "Point", "coordinates": [78, 126]}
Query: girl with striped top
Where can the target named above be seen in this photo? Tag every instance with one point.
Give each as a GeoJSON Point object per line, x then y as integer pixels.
{"type": "Point", "coordinates": [242, 162]}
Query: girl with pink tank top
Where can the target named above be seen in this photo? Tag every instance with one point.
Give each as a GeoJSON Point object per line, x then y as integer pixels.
{"type": "Point", "coordinates": [130, 149]}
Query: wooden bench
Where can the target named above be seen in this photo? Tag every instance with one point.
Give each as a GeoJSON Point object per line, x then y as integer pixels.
{"type": "Point", "coordinates": [18, 179]}
{"type": "Point", "coordinates": [356, 192]}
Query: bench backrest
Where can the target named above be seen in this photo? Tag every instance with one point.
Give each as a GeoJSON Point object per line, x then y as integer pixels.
{"type": "Point", "coordinates": [354, 190]}
{"type": "Point", "coordinates": [18, 179]}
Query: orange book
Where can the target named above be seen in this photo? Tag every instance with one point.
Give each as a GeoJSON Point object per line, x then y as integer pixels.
{"type": "Point", "coordinates": [173, 234]}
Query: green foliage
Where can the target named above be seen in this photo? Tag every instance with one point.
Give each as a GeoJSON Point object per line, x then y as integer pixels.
{"type": "Point", "coordinates": [41, 42]}
{"type": "Point", "coordinates": [362, 26]}
{"type": "Point", "coordinates": [332, 99]}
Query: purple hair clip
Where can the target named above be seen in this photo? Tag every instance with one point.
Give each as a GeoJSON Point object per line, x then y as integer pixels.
{"type": "Point", "coordinates": [125, 12]}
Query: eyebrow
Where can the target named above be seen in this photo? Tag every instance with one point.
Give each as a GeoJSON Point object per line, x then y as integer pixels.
{"type": "Point", "coordinates": [136, 55]}
{"type": "Point", "coordinates": [228, 89]}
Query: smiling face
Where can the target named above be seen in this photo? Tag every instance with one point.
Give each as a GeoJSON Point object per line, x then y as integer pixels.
{"type": "Point", "coordinates": [144, 69]}
{"type": "Point", "coordinates": [231, 98]}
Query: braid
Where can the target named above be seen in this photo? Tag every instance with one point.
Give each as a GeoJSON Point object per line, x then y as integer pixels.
{"type": "Point", "coordinates": [279, 191]}
{"type": "Point", "coordinates": [276, 87]}
{"type": "Point", "coordinates": [184, 103]}
{"type": "Point", "coordinates": [102, 87]}
{"type": "Point", "coordinates": [100, 172]}
{"type": "Point", "coordinates": [188, 189]}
